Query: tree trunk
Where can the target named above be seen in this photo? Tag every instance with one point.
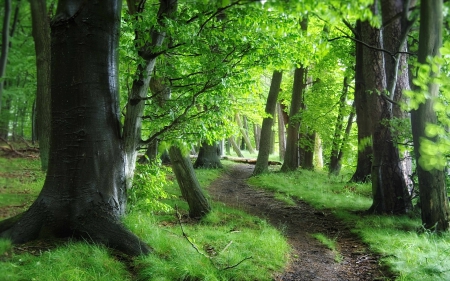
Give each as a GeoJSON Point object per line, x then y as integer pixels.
{"type": "Point", "coordinates": [432, 189]}
{"type": "Point", "coordinates": [244, 134]}
{"type": "Point", "coordinates": [189, 185]}
{"type": "Point", "coordinates": [5, 47]}
{"type": "Point", "coordinates": [334, 166]}
{"type": "Point", "coordinates": [135, 106]}
{"type": "Point", "coordinates": [337, 169]}
{"type": "Point", "coordinates": [364, 161]}
{"type": "Point", "coordinates": [41, 35]}
{"type": "Point", "coordinates": [257, 134]}
{"type": "Point", "coordinates": [262, 162]}
{"type": "Point", "coordinates": [281, 132]}
{"type": "Point", "coordinates": [208, 157]}
{"type": "Point", "coordinates": [84, 191]}
{"type": "Point", "coordinates": [291, 156]}
{"type": "Point", "coordinates": [389, 190]}
{"type": "Point", "coordinates": [235, 146]}
{"type": "Point", "coordinates": [308, 151]}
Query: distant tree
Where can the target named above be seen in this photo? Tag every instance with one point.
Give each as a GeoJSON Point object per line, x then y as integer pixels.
{"type": "Point", "coordinates": [208, 156]}
{"type": "Point", "coordinates": [189, 185]}
{"type": "Point", "coordinates": [262, 162]}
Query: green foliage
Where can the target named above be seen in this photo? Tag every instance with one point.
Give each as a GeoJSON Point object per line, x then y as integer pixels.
{"type": "Point", "coordinates": [148, 188]}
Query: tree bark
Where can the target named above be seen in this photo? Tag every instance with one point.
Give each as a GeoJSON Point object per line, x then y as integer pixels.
{"type": "Point", "coordinates": [432, 189]}
{"type": "Point", "coordinates": [334, 166]}
{"type": "Point", "coordinates": [139, 90]}
{"type": "Point", "coordinates": [262, 161]}
{"type": "Point", "coordinates": [390, 193]}
{"type": "Point", "coordinates": [235, 147]}
{"type": "Point", "coordinates": [41, 35]}
{"type": "Point", "coordinates": [244, 134]}
{"type": "Point", "coordinates": [84, 191]}
{"type": "Point", "coordinates": [363, 121]}
{"type": "Point", "coordinates": [5, 47]}
{"type": "Point", "coordinates": [189, 185]}
{"type": "Point", "coordinates": [291, 156]}
{"type": "Point", "coordinates": [281, 132]}
{"type": "Point", "coordinates": [208, 157]}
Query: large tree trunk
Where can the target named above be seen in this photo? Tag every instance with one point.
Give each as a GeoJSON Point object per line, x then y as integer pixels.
{"type": "Point", "coordinates": [262, 162]}
{"type": "Point", "coordinates": [291, 156]}
{"type": "Point", "coordinates": [208, 156]}
{"type": "Point", "coordinates": [432, 190]}
{"type": "Point", "coordinates": [390, 193]}
{"type": "Point", "coordinates": [189, 185]}
{"type": "Point", "coordinates": [364, 160]}
{"type": "Point", "coordinates": [41, 35]}
{"type": "Point", "coordinates": [139, 90]}
{"type": "Point", "coordinates": [84, 191]}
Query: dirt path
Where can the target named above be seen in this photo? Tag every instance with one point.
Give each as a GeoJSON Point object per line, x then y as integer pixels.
{"type": "Point", "coordinates": [310, 260]}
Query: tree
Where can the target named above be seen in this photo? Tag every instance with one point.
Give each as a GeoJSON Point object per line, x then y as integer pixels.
{"type": "Point", "coordinates": [208, 156]}
{"type": "Point", "coordinates": [262, 161]}
{"type": "Point", "coordinates": [5, 47]}
{"type": "Point", "coordinates": [432, 189]}
{"type": "Point", "coordinates": [84, 191]}
{"type": "Point", "coordinates": [189, 185]}
{"type": "Point", "coordinates": [41, 35]}
{"type": "Point", "coordinates": [291, 155]}
{"type": "Point", "coordinates": [147, 42]}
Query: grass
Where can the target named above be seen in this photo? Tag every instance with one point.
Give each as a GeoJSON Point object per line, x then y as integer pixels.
{"type": "Point", "coordinates": [330, 244]}
{"type": "Point", "coordinates": [410, 252]}
{"type": "Point", "coordinates": [232, 245]}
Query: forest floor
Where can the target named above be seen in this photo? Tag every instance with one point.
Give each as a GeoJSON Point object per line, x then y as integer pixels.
{"type": "Point", "coordinates": [310, 260]}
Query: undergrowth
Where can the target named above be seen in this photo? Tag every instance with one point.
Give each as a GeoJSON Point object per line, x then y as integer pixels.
{"type": "Point", "coordinates": [409, 251]}
{"type": "Point", "coordinates": [225, 245]}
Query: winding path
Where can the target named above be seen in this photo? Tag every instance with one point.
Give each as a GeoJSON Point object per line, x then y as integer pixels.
{"type": "Point", "coordinates": [310, 260]}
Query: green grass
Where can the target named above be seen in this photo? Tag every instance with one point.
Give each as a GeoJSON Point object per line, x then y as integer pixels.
{"type": "Point", "coordinates": [410, 252]}
{"type": "Point", "coordinates": [232, 245]}
{"type": "Point", "coordinates": [330, 244]}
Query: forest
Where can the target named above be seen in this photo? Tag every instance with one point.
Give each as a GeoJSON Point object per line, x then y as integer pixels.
{"type": "Point", "coordinates": [224, 140]}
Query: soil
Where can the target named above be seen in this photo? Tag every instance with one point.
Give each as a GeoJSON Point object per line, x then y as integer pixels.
{"type": "Point", "coordinates": [310, 260]}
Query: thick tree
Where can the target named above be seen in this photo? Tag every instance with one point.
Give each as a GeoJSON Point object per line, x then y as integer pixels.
{"type": "Point", "coordinates": [41, 36]}
{"type": "Point", "coordinates": [262, 162]}
{"type": "Point", "coordinates": [432, 189]}
{"type": "Point", "coordinates": [208, 156]}
{"type": "Point", "coordinates": [84, 191]}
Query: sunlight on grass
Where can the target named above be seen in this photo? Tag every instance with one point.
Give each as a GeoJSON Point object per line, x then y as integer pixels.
{"type": "Point", "coordinates": [73, 261]}
{"type": "Point", "coordinates": [410, 252]}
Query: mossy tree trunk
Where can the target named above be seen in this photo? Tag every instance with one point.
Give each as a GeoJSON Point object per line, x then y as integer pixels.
{"type": "Point", "coordinates": [189, 185]}
{"type": "Point", "coordinates": [262, 162]}
{"type": "Point", "coordinates": [84, 191]}
{"type": "Point", "coordinates": [432, 189]}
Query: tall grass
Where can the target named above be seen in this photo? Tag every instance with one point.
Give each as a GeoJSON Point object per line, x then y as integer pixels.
{"type": "Point", "coordinates": [409, 251]}
{"type": "Point", "coordinates": [231, 245]}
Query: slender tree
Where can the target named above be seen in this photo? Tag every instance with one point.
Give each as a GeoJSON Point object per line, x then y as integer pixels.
{"type": "Point", "coordinates": [189, 185]}
{"type": "Point", "coordinates": [262, 162]}
{"type": "Point", "coordinates": [5, 46]}
{"type": "Point", "coordinates": [432, 189]}
{"type": "Point", "coordinates": [41, 35]}
{"type": "Point", "coordinates": [84, 191]}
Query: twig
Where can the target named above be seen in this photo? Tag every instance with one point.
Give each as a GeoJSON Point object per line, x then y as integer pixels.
{"type": "Point", "coordinates": [11, 147]}
{"type": "Point", "coordinates": [233, 266]}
